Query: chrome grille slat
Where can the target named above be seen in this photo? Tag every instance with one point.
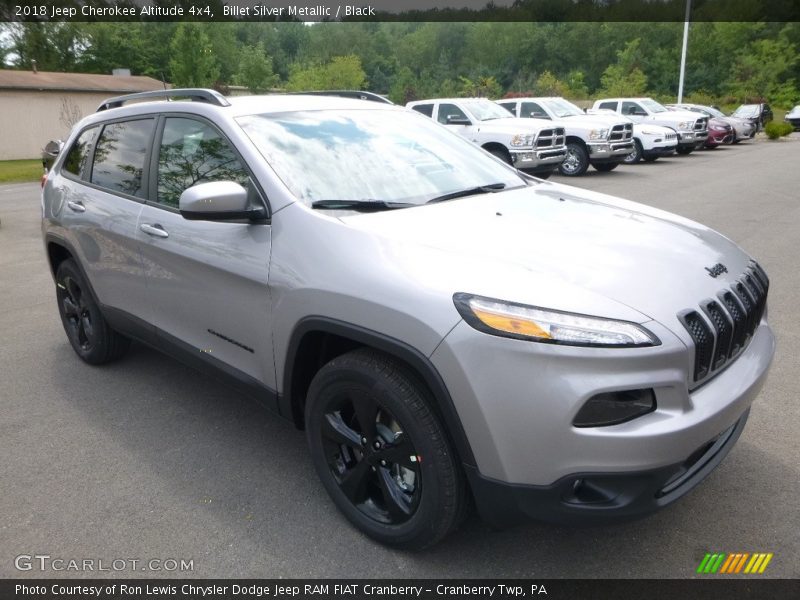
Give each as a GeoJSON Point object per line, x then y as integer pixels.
{"type": "Point", "coordinates": [549, 138]}
{"type": "Point", "coordinates": [726, 324]}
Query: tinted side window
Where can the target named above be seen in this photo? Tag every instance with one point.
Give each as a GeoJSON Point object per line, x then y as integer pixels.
{"type": "Point", "coordinates": [608, 105]}
{"type": "Point", "coordinates": [509, 106]}
{"type": "Point", "coordinates": [531, 109]}
{"type": "Point", "coordinates": [120, 155]}
{"type": "Point", "coordinates": [631, 108]}
{"type": "Point", "coordinates": [425, 109]}
{"type": "Point", "coordinates": [191, 153]}
{"type": "Point", "coordinates": [79, 153]}
{"type": "Point", "coordinates": [450, 110]}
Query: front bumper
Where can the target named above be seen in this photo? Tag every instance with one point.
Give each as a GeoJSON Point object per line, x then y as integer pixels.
{"type": "Point", "coordinates": [660, 150]}
{"type": "Point", "coordinates": [533, 159]}
{"type": "Point", "coordinates": [609, 151]}
{"type": "Point", "coordinates": [596, 498]}
{"type": "Point", "coordinates": [518, 407]}
{"type": "Point", "coordinates": [717, 138]}
{"type": "Point", "coordinates": [692, 138]}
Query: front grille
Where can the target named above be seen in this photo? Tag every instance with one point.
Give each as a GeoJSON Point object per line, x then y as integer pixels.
{"type": "Point", "coordinates": [724, 325]}
{"type": "Point", "coordinates": [701, 124]}
{"type": "Point", "coordinates": [671, 136]}
{"type": "Point", "coordinates": [549, 138]}
{"type": "Point", "coordinates": [621, 133]}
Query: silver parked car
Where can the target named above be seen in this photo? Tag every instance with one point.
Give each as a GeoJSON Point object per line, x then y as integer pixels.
{"type": "Point", "coordinates": [441, 325]}
{"type": "Point", "coordinates": [743, 129]}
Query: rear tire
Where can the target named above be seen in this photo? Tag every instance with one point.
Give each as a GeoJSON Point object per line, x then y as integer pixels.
{"type": "Point", "coordinates": [380, 451]}
{"type": "Point", "coordinates": [88, 333]}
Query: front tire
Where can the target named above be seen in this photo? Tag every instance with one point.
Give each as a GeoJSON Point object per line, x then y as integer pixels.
{"type": "Point", "coordinates": [380, 451]}
{"type": "Point", "coordinates": [636, 154]}
{"type": "Point", "coordinates": [685, 150]}
{"type": "Point", "coordinates": [88, 333]}
{"type": "Point", "coordinates": [502, 154]}
{"type": "Point", "coordinates": [576, 162]}
{"type": "Point", "coordinates": [605, 167]}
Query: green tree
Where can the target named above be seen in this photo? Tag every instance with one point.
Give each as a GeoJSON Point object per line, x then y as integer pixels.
{"type": "Point", "coordinates": [342, 73]}
{"type": "Point", "coordinates": [759, 70]}
{"type": "Point", "coordinates": [193, 63]}
{"type": "Point", "coordinates": [255, 70]}
{"type": "Point", "coordinates": [548, 84]}
{"type": "Point", "coordinates": [482, 87]}
{"type": "Point", "coordinates": [624, 77]}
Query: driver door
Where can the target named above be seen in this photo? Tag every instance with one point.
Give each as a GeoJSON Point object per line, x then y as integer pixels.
{"type": "Point", "coordinates": [207, 281]}
{"type": "Point", "coordinates": [446, 112]}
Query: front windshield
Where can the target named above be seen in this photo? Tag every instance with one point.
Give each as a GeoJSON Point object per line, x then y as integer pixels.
{"type": "Point", "coordinates": [712, 111]}
{"type": "Point", "coordinates": [359, 155]}
{"type": "Point", "coordinates": [746, 110]}
{"type": "Point", "coordinates": [653, 106]}
{"type": "Point", "coordinates": [563, 108]}
{"type": "Point", "coordinates": [485, 110]}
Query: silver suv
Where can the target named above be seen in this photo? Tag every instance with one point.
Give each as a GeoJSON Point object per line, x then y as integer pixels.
{"type": "Point", "coordinates": [441, 325]}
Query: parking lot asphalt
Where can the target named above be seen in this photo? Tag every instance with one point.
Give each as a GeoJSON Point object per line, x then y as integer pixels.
{"type": "Point", "coordinates": [148, 459]}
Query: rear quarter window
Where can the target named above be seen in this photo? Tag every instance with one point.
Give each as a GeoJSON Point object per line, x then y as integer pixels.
{"type": "Point", "coordinates": [608, 105]}
{"type": "Point", "coordinates": [75, 161]}
{"type": "Point", "coordinates": [425, 109]}
{"type": "Point", "coordinates": [120, 154]}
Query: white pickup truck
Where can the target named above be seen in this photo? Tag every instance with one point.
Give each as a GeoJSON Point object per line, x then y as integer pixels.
{"type": "Point", "coordinates": [692, 129]}
{"type": "Point", "coordinates": [602, 143]}
{"type": "Point", "coordinates": [535, 147]}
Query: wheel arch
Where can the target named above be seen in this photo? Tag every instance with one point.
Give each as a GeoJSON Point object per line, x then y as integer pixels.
{"type": "Point", "coordinates": [316, 340]}
{"type": "Point", "coordinates": [574, 139]}
{"type": "Point", "coordinates": [489, 146]}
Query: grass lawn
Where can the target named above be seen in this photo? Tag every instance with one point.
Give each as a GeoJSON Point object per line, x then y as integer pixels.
{"type": "Point", "coordinates": [15, 171]}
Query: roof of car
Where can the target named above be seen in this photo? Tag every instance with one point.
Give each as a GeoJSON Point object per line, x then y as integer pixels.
{"type": "Point", "coordinates": [245, 105]}
{"type": "Point", "coordinates": [454, 100]}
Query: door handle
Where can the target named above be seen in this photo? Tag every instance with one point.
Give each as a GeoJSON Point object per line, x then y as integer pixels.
{"type": "Point", "coordinates": [155, 230]}
{"type": "Point", "coordinates": [76, 206]}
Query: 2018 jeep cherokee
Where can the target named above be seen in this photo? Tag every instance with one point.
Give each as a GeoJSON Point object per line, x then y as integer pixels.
{"type": "Point", "coordinates": [438, 323]}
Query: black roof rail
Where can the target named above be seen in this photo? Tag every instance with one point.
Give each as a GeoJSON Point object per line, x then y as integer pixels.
{"type": "Point", "coordinates": [194, 94]}
{"type": "Point", "coordinates": [357, 94]}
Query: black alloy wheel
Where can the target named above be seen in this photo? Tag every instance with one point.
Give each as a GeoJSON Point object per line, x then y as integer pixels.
{"type": "Point", "coordinates": [381, 452]}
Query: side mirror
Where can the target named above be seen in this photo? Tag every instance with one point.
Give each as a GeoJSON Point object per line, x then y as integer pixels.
{"type": "Point", "coordinates": [50, 152]}
{"type": "Point", "coordinates": [218, 201]}
{"type": "Point", "coordinates": [458, 120]}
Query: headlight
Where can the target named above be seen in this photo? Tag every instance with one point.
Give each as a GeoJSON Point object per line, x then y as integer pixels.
{"type": "Point", "coordinates": [598, 134]}
{"type": "Point", "coordinates": [522, 139]}
{"type": "Point", "coordinates": [717, 128]}
{"type": "Point", "coordinates": [650, 132]}
{"type": "Point", "coordinates": [686, 125]}
{"type": "Point", "coordinates": [518, 321]}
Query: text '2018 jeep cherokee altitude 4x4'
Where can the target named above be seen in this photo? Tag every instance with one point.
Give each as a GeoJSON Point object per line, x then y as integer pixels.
{"type": "Point", "coordinates": [438, 323]}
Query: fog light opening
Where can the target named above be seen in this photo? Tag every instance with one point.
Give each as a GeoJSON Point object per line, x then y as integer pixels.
{"type": "Point", "coordinates": [613, 408]}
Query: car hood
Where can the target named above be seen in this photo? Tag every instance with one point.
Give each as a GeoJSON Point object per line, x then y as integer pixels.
{"type": "Point", "coordinates": [557, 246]}
{"type": "Point", "coordinates": [516, 125]}
{"type": "Point", "coordinates": [594, 121]}
{"type": "Point", "coordinates": [675, 116]}
{"type": "Point", "coordinates": [794, 113]}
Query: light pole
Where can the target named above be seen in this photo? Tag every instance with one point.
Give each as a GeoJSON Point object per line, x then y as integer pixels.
{"type": "Point", "coordinates": [683, 50]}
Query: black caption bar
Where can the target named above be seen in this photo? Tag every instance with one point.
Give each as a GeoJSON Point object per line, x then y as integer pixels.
{"type": "Point", "coordinates": [395, 589]}
{"type": "Point", "coordinates": [399, 10]}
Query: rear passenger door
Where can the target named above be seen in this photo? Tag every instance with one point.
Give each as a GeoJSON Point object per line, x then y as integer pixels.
{"type": "Point", "coordinates": [103, 184]}
{"type": "Point", "coordinates": [207, 281]}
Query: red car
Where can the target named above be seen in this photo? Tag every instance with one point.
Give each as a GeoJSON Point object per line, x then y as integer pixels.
{"type": "Point", "coordinates": [719, 132]}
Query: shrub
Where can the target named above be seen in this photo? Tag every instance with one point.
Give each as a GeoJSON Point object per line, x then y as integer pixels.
{"type": "Point", "coordinates": [776, 129]}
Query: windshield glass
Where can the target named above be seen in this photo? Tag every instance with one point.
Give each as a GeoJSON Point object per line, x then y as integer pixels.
{"type": "Point", "coordinates": [371, 155]}
{"type": "Point", "coordinates": [712, 111]}
{"type": "Point", "coordinates": [746, 110]}
{"type": "Point", "coordinates": [562, 108]}
{"type": "Point", "coordinates": [486, 110]}
{"type": "Point", "coordinates": [653, 106]}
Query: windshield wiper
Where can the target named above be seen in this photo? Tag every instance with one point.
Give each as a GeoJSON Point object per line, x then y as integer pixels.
{"type": "Point", "coordinates": [483, 189]}
{"type": "Point", "coordinates": [359, 205]}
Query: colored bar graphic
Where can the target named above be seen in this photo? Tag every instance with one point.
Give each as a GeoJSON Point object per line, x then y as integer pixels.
{"type": "Point", "coordinates": [723, 563]}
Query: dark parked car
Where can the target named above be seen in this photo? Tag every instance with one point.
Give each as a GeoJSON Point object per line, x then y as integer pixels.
{"type": "Point", "coordinates": [760, 114]}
